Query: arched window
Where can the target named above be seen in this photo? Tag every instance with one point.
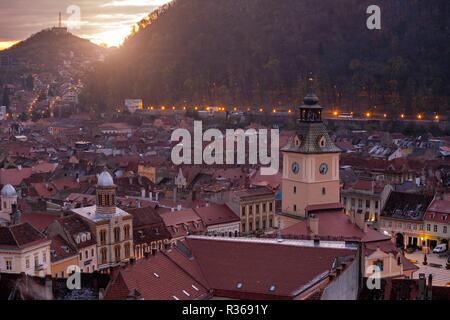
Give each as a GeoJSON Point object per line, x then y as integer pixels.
{"type": "Point", "coordinates": [126, 231]}
{"type": "Point", "coordinates": [103, 237]}
{"type": "Point", "coordinates": [117, 234]}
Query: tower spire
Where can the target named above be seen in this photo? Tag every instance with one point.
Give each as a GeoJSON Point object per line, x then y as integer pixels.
{"type": "Point", "coordinates": [311, 98]}
{"type": "Point", "coordinates": [60, 21]}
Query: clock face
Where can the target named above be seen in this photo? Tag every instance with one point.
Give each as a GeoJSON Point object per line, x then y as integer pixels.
{"type": "Point", "coordinates": [295, 167]}
{"type": "Point", "coordinates": [323, 169]}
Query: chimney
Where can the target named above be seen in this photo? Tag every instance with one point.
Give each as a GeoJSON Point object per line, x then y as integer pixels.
{"type": "Point", "coordinates": [430, 287]}
{"type": "Point", "coordinates": [143, 193]}
{"type": "Point", "coordinates": [179, 207]}
{"type": "Point", "coordinates": [360, 221]}
{"type": "Point", "coordinates": [157, 196]}
{"type": "Point", "coordinates": [313, 224]}
{"type": "Point", "coordinates": [150, 194]}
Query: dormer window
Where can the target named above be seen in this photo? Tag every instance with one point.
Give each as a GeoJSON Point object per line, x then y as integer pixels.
{"type": "Point", "coordinates": [322, 141]}
{"type": "Point", "coordinates": [297, 141]}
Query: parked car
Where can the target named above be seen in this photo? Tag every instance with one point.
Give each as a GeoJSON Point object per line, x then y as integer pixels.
{"type": "Point", "coordinates": [440, 248]}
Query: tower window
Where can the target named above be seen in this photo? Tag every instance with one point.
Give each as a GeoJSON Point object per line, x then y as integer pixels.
{"type": "Point", "coordinates": [295, 189]}
{"type": "Point", "coordinates": [295, 207]}
{"type": "Point", "coordinates": [324, 191]}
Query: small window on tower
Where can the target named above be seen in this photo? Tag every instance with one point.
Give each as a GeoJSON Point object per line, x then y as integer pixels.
{"type": "Point", "coordinates": [324, 191]}
{"type": "Point", "coordinates": [322, 141]}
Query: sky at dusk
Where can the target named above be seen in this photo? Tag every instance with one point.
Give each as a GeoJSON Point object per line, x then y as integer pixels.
{"type": "Point", "coordinates": [102, 21]}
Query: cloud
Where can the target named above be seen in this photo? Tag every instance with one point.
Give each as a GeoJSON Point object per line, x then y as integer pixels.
{"type": "Point", "coordinates": [134, 3]}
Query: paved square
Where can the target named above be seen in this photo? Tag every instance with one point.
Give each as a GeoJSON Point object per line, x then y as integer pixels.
{"type": "Point", "coordinates": [441, 276]}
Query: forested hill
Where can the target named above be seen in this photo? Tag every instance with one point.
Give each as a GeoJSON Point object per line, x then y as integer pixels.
{"type": "Point", "coordinates": [257, 52]}
{"type": "Point", "coordinates": [49, 48]}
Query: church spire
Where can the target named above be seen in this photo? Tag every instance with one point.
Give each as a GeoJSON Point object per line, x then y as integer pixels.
{"type": "Point", "coordinates": [311, 98]}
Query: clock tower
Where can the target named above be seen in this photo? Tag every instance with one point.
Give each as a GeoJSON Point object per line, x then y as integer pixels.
{"type": "Point", "coordinates": [310, 162]}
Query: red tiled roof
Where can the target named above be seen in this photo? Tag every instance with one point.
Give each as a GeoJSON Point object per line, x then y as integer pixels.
{"type": "Point", "coordinates": [61, 249]}
{"type": "Point", "coordinates": [272, 181]}
{"type": "Point", "coordinates": [14, 176]}
{"type": "Point", "coordinates": [216, 214]}
{"type": "Point", "coordinates": [441, 206]}
{"type": "Point", "coordinates": [335, 225]}
{"type": "Point", "coordinates": [20, 235]}
{"type": "Point", "coordinates": [258, 266]}
{"type": "Point", "coordinates": [366, 185]}
{"type": "Point", "coordinates": [73, 225]}
{"type": "Point", "coordinates": [179, 217]}
{"type": "Point", "coordinates": [438, 211]}
{"type": "Point", "coordinates": [38, 220]}
{"type": "Point", "coordinates": [155, 278]}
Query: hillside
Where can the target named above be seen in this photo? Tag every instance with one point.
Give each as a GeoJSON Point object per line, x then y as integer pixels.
{"type": "Point", "coordinates": [49, 48]}
{"type": "Point", "coordinates": [258, 52]}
